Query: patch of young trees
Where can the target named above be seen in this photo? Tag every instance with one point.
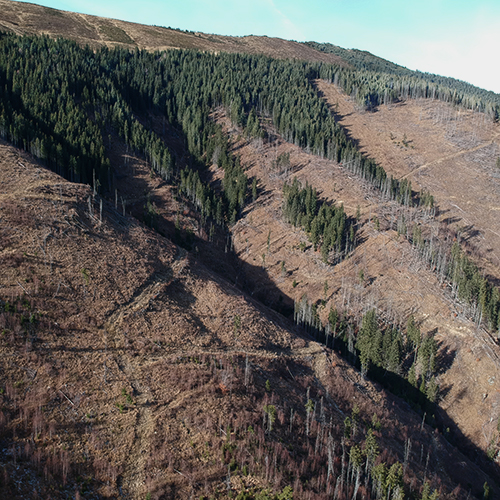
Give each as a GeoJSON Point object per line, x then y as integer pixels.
{"type": "Point", "coordinates": [327, 225]}
{"type": "Point", "coordinates": [396, 359]}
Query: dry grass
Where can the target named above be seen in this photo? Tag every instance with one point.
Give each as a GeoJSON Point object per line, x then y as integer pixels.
{"type": "Point", "coordinates": [131, 371]}
{"type": "Point", "coordinates": [397, 283]}
{"type": "Point", "coordinates": [25, 18]}
{"type": "Point", "coordinates": [450, 152]}
{"type": "Point", "coordinates": [106, 386]}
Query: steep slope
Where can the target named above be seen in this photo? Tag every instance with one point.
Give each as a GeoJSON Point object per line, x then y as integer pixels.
{"type": "Point", "coordinates": [190, 328]}
{"type": "Point", "coordinates": [396, 281]}
{"type": "Point", "coordinates": [25, 18]}
{"type": "Point", "coordinates": [450, 152]}
{"type": "Point", "coordinates": [103, 296]}
{"type": "Point", "coordinates": [127, 369]}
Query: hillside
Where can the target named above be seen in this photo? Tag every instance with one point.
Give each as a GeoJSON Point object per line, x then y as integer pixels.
{"type": "Point", "coordinates": [164, 324]}
{"type": "Point", "coordinates": [124, 368]}
{"type": "Point", "coordinates": [27, 19]}
{"type": "Point", "coordinates": [396, 281]}
{"type": "Point", "coordinates": [449, 151]}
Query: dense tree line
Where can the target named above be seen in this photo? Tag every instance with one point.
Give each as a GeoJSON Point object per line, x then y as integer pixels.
{"type": "Point", "coordinates": [403, 361]}
{"type": "Point", "coordinates": [59, 99]}
{"type": "Point", "coordinates": [413, 356]}
{"type": "Point", "coordinates": [60, 102]}
{"type": "Point", "coordinates": [39, 110]}
{"type": "Point", "coordinates": [468, 283]}
{"type": "Point", "coordinates": [327, 225]}
{"type": "Point", "coordinates": [375, 81]}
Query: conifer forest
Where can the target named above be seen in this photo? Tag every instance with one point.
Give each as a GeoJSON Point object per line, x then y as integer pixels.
{"type": "Point", "coordinates": [207, 365]}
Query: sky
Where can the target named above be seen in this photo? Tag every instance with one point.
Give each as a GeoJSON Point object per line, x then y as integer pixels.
{"type": "Point", "coordinates": [457, 38]}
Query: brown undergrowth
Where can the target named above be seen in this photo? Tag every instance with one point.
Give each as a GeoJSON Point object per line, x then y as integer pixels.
{"type": "Point", "coordinates": [130, 369]}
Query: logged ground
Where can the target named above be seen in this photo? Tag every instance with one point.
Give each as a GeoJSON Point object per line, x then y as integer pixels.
{"type": "Point", "coordinates": [449, 151]}
{"type": "Point", "coordinates": [396, 282]}
{"type": "Point", "coordinates": [114, 307]}
{"type": "Point", "coordinates": [131, 366]}
{"type": "Point", "coordinates": [123, 316]}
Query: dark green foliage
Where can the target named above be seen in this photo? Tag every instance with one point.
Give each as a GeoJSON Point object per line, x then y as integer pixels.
{"type": "Point", "coordinates": [380, 350]}
{"type": "Point", "coordinates": [333, 318]}
{"type": "Point", "coordinates": [270, 411]}
{"type": "Point", "coordinates": [413, 332]}
{"type": "Point", "coordinates": [347, 428]}
{"type": "Point", "coordinates": [426, 357]}
{"type": "Point", "coordinates": [472, 287]}
{"type": "Point", "coordinates": [187, 84]}
{"type": "Point", "coordinates": [375, 81]}
{"type": "Point", "coordinates": [432, 390]}
{"type": "Point", "coordinates": [253, 128]}
{"type": "Point", "coordinates": [254, 189]}
{"type": "Point", "coordinates": [395, 478]}
{"type": "Point", "coordinates": [46, 106]}
{"type": "Point", "coordinates": [59, 100]}
{"type": "Point", "coordinates": [368, 340]}
{"type": "Point", "coordinates": [412, 376]}
{"type": "Point", "coordinates": [371, 449]}
{"type": "Point", "coordinates": [383, 349]}
{"type": "Point", "coordinates": [327, 225]}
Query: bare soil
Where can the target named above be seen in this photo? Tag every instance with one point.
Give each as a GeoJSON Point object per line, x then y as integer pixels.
{"type": "Point", "coordinates": [449, 151]}
{"type": "Point", "coordinates": [397, 283]}
{"type": "Point", "coordinates": [122, 311]}
{"type": "Point", "coordinates": [134, 366]}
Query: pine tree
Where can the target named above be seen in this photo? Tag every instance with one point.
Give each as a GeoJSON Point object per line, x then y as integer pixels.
{"type": "Point", "coordinates": [413, 332]}
{"type": "Point", "coordinates": [412, 376]}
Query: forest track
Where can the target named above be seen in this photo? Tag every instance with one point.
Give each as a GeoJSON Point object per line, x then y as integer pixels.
{"type": "Point", "coordinates": [450, 157]}
{"type": "Point", "coordinates": [131, 481]}
{"type": "Point", "coordinates": [144, 294]}
{"type": "Point", "coordinates": [134, 474]}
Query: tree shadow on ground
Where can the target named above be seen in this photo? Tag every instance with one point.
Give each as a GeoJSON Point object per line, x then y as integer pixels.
{"type": "Point", "coordinates": [217, 255]}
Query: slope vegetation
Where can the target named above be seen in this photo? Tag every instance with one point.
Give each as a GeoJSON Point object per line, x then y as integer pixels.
{"type": "Point", "coordinates": [278, 191]}
{"type": "Point", "coordinates": [27, 19]}
{"type": "Point", "coordinates": [128, 369]}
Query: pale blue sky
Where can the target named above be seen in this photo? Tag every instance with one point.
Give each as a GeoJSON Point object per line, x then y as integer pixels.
{"type": "Point", "coordinates": [458, 38]}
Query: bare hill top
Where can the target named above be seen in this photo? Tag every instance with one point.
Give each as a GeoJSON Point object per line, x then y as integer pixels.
{"type": "Point", "coordinates": [27, 18]}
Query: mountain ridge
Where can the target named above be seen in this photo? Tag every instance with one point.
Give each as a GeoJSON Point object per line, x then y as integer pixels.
{"type": "Point", "coordinates": [23, 18]}
{"type": "Point", "coordinates": [114, 32]}
{"type": "Point", "coordinates": [211, 292]}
